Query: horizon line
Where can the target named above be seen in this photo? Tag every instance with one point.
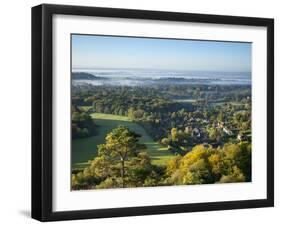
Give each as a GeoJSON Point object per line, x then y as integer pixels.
{"type": "Point", "coordinates": [127, 68]}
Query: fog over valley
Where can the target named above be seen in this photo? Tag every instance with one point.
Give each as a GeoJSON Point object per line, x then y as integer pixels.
{"type": "Point", "coordinates": [141, 77]}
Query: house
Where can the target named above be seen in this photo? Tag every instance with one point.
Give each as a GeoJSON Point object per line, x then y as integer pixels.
{"type": "Point", "coordinates": [220, 125]}
{"type": "Point", "coordinates": [191, 119]}
{"type": "Point", "coordinates": [241, 137]}
{"type": "Point", "coordinates": [188, 129]}
{"type": "Point", "coordinates": [195, 130]}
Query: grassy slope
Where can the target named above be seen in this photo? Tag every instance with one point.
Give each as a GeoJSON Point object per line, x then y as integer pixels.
{"type": "Point", "coordinates": [86, 148]}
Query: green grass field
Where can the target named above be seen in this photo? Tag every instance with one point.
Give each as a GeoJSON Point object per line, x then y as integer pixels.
{"type": "Point", "coordinates": [86, 148]}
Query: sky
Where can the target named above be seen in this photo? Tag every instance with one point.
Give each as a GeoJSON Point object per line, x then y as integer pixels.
{"type": "Point", "coordinates": [92, 51]}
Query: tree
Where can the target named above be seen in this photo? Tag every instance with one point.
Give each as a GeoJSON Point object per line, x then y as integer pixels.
{"type": "Point", "coordinates": [165, 141]}
{"type": "Point", "coordinates": [214, 134]}
{"type": "Point", "coordinates": [121, 162]}
{"type": "Point", "coordinates": [221, 116]}
{"type": "Point", "coordinates": [204, 165]}
{"type": "Point", "coordinates": [131, 113]}
{"type": "Point", "coordinates": [235, 176]}
{"type": "Point", "coordinates": [121, 145]}
{"type": "Point", "coordinates": [120, 112]}
{"type": "Point", "coordinates": [82, 123]}
{"type": "Point", "coordinates": [174, 134]}
{"type": "Point", "coordinates": [138, 114]}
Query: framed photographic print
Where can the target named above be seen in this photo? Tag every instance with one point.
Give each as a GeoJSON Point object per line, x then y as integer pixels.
{"type": "Point", "coordinates": [145, 112]}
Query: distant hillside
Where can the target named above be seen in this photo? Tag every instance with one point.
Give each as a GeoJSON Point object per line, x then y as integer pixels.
{"type": "Point", "coordinates": [171, 79]}
{"type": "Point", "coordinates": [85, 76]}
{"type": "Point", "coordinates": [176, 80]}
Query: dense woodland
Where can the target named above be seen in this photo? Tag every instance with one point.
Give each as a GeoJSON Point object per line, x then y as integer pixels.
{"type": "Point", "coordinates": [206, 127]}
{"type": "Point", "coordinates": [82, 123]}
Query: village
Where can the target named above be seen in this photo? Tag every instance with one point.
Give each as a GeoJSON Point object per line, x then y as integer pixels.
{"type": "Point", "coordinates": [195, 128]}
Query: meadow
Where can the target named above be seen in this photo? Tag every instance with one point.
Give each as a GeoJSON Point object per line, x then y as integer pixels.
{"type": "Point", "coordinates": [85, 149]}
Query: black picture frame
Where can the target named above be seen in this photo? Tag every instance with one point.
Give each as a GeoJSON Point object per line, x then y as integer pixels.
{"type": "Point", "coordinates": [42, 111]}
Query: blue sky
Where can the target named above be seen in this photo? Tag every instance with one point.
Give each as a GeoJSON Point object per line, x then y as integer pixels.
{"type": "Point", "coordinates": [90, 51]}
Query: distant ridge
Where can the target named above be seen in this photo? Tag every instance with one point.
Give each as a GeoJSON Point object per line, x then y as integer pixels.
{"type": "Point", "coordinates": [85, 76]}
{"type": "Point", "coordinates": [171, 79]}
